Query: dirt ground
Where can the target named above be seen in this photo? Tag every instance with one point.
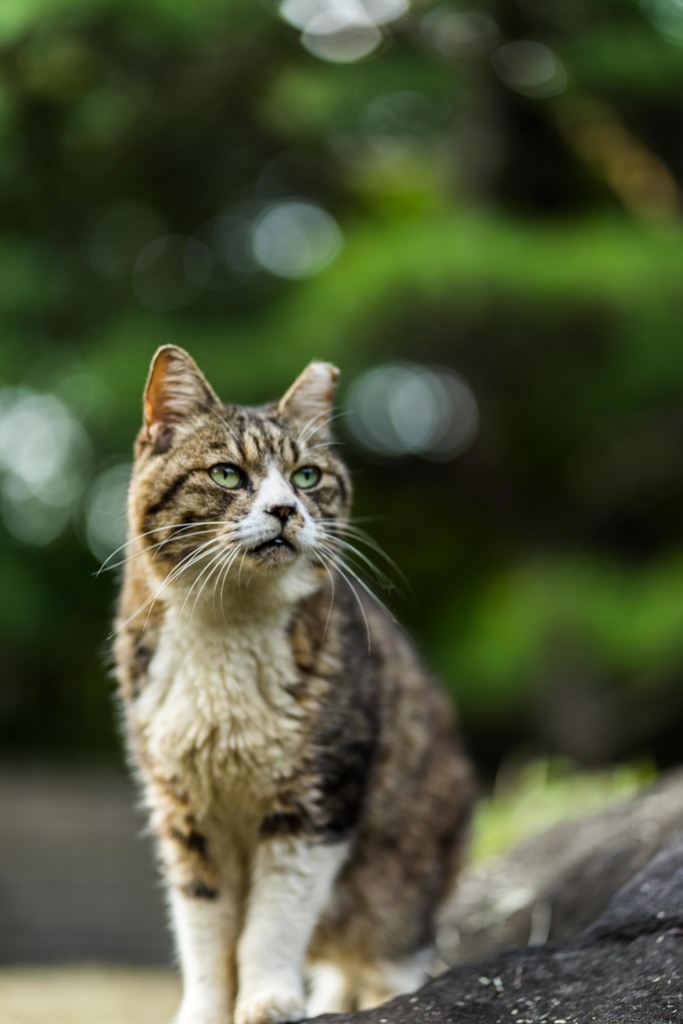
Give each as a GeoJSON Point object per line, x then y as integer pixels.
{"type": "Point", "coordinates": [87, 995]}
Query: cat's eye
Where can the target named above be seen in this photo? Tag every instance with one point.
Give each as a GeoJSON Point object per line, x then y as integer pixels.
{"type": "Point", "coordinates": [227, 476]}
{"type": "Point", "coordinates": [307, 476]}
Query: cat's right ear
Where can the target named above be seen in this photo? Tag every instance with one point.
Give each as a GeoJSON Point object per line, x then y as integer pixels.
{"type": "Point", "coordinates": [310, 398]}
{"type": "Point", "coordinates": [176, 389]}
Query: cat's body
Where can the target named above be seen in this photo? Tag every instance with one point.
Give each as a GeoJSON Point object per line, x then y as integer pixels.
{"type": "Point", "coordinates": [303, 779]}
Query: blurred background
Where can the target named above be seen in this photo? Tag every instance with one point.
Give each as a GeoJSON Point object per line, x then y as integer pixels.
{"type": "Point", "coordinates": [474, 210]}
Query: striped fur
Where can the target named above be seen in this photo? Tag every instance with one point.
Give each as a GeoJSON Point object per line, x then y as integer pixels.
{"type": "Point", "coordinates": [302, 774]}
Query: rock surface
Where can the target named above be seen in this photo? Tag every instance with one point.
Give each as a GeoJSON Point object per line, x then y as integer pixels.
{"type": "Point", "coordinates": [624, 968]}
{"type": "Point", "coordinates": [551, 886]}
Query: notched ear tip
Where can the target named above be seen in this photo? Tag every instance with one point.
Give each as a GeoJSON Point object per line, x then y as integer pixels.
{"type": "Point", "coordinates": [321, 370]}
{"type": "Point", "coordinates": [312, 392]}
{"type": "Point", "coordinates": [320, 379]}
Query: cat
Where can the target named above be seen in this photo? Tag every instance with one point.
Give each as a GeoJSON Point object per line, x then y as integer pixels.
{"type": "Point", "coordinates": [305, 784]}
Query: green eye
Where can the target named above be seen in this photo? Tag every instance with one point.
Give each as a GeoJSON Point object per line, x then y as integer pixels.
{"type": "Point", "coordinates": [227, 476]}
{"type": "Point", "coordinates": [307, 476]}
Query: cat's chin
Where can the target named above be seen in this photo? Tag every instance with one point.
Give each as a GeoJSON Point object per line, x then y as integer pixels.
{"type": "Point", "coordinates": [275, 552]}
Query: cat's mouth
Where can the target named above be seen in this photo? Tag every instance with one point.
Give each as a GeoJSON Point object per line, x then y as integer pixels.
{"type": "Point", "coordinates": [275, 544]}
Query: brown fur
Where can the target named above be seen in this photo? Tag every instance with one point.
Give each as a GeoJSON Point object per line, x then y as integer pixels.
{"type": "Point", "coordinates": [377, 764]}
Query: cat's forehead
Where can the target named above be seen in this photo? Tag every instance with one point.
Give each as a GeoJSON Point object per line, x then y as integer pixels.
{"type": "Point", "coordinates": [257, 437]}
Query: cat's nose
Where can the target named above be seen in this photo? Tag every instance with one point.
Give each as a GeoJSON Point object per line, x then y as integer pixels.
{"type": "Point", "coordinates": [281, 512]}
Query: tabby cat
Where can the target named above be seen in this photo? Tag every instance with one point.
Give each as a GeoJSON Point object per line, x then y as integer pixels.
{"type": "Point", "coordinates": [304, 782]}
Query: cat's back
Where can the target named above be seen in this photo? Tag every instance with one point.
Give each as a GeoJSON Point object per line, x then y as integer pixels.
{"type": "Point", "coordinates": [401, 768]}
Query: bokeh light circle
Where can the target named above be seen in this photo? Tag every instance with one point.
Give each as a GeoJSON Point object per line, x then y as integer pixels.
{"type": "Point", "coordinates": [404, 409]}
{"type": "Point", "coordinates": [294, 238]}
{"type": "Point", "coordinates": [530, 68]}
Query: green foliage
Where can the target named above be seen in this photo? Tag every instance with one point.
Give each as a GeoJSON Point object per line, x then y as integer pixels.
{"type": "Point", "coordinates": [506, 182]}
{"type": "Point", "coordinates": [541, 794]}
{"type": "Point", "coordinates": [624, 620]}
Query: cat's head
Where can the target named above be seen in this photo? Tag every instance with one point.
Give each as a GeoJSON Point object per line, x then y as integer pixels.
{"type": "Point", "coordinates": [224, 493]}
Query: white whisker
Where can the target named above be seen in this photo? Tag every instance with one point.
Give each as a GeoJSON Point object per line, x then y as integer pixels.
{"type": "Point", "coordinates": [239, 571]}
{"type": "Point", "coordinates": [336, 533]}
{"type": "Point", "coordinates": [214, 553]}
{"type": "Point", "coordinates": [341, 570]}
{"type": "Point", "coordinates": [176, 528]}
{"type": "Point", "coordinates": [331, 604]}
{"type": "Point", "coordinates": [344, 546]}
{"type": "Point", "coordinates": [222, 578]}
{"type": "Point", "coordinates": [186, 563]}
{"type": "Point", "coordinates": [154, 549]}
{"type": "Point", "coordinates": [343, 567]}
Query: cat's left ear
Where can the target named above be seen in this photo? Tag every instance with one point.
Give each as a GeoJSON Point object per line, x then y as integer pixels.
{"type": "Point", "coordinates": [176, 389]}
{"type": "Point", "coordinates": [311, 397]}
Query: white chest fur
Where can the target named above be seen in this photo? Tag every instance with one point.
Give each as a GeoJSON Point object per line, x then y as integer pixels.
{"type": "Point", "coordinates": [216, 714]}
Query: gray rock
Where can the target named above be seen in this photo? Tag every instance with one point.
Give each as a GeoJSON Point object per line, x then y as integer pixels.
{"type": "Point", "coordinates": [550, 887]}
{"type": "Point", "coordinates": [625, 968]}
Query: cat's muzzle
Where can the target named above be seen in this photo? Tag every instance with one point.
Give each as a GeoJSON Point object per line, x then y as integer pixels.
{"type": "Point", "coordinates": [276, 545]}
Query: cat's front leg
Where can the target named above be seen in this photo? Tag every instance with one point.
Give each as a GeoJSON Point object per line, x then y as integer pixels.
{"type": "Point", "coordinates": [205, 928]}
{"type": "Point", "coordinates": [204, 903]}
{"type": "Point", "coordinates": [290, 885]}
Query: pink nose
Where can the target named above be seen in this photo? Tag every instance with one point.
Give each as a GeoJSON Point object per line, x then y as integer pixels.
{"type": "Point", "coordinates": [281, 512]}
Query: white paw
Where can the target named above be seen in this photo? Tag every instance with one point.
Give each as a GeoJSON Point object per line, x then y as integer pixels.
{"type": "Point", "coordinates": [270, 1006]}
{"type": "Point", "coordinates": [201, 1015]}
{"type": "Point", "coordinates": [201, 1018]}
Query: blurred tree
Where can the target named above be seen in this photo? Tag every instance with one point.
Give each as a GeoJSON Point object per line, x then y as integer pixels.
{"type": "Point", "coordinates": [493, 188]}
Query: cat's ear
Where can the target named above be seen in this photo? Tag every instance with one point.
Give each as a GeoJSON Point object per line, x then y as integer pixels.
{"type": "Point", "coordinates": [176, 388]}
{"type": "Point", "coordinates": [311, 397]}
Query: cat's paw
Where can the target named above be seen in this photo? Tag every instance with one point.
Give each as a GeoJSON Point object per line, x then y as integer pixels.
{"type": "Point", "coordinates": [270, 1006]}
{"type": "Point", "coordinates": [201, 1018]}
{"type": "Point", "coordinates": [198, 1014]}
